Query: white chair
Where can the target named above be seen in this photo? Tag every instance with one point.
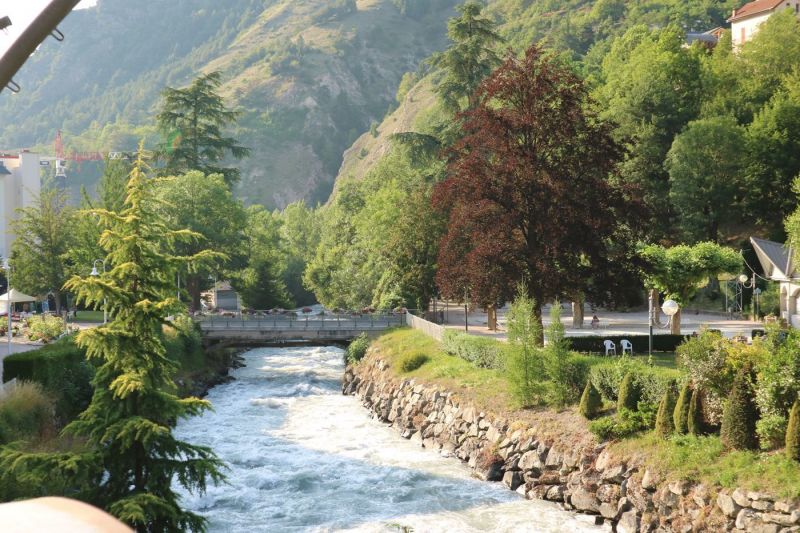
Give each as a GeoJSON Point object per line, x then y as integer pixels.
{"type": "Point", "coordinates": [626, 346]}
{"type": "Point", "coordinates": [610, 347]}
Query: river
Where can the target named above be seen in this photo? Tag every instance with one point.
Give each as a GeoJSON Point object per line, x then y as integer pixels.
{"type": "Point", "coordinates": [303, 457]}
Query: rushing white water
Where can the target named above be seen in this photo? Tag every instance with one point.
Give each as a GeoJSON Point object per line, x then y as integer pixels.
{"type": "Point", "coordinates": [303, 457]}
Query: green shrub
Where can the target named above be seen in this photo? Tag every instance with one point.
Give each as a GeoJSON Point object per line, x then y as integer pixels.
{"type": "Point", "coordinates": [413, 361]}
{"type": "Point", "coordinates": [45, 328]}
{"type": "Point", "coordinates": [624, 423]}
{"type": "Point", "coordinates": [26, 412]}
{"type": "Point", "coordinates": [665, 425]}
{"type": "Point", "coordinates": [771, 431]}
{"type": "Point", "coordinates": [591, 402]}
{"type": "Point", "coordinates": [481, 351]}
{"type": "Point", "coordinates": [793, 433]}
{"type": "Point", "coordinates": [652, 381]}
{"type": "Point", "coordinates": [594, 343]}
{"type": "Point", "coordinates": [694, 417]}
{"type": "Point", "coordinates": [680, 416]}
{"type": "Point", "coordinates": [629, 394]}
{"type": "Point", "coordinates": [357, 349]}
{"type": "Point", "coordinates": [739, 416]}
{"type": "Point", "coordinates": [62, 371]}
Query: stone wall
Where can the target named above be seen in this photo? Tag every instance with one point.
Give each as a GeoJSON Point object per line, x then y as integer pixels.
{"type": "Point", "coordinates": [586, 479]}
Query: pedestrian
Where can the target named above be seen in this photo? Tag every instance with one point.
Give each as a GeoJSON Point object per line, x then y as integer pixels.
{"type": "Point", "coordinates": [595, 322]}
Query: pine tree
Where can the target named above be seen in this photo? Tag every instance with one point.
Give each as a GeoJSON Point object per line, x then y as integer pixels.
{"type": "Point", "coordinates": [739, 417]}
{"type": "Point", "coordinates": [191, 121]}
{"type": "Point", "coordinates": [628, 393]}
{"type": "Point", "coordinates": [793, 433]}
{"type": "Point", "coordinates": [680, 416]}
{"type": "Point", "coordinates": [694, 417]}
{"type": "Point", "coordinates": [128, 424]}
{"type": "Point", "coordinates": [591, 402]}
{"type": "Point", "coordinates": [665, 424]}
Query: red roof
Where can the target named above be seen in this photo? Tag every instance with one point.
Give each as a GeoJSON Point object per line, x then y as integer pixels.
{"type": "Point", "coordinates": [754, 8]}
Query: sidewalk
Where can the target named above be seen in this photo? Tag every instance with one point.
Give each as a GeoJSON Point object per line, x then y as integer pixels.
{"type": "Point", "coordinates": [611, 323]}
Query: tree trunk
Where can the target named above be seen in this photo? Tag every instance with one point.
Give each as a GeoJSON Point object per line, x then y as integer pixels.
{"type": "Point", "coordinates": [656, 307]}
{"type": "Point", "coordinates": [537, 316]}
{"type": "Point", "coordinates": [57, 301]}
{"type": "Point", "coordinates": [491, 312]}
{"type": "Point", "coordinates": [577, 313]}
{"type": "Point", "coordinates": [675, 329]}
{"type": "Point", "coordinates": [194, 290]}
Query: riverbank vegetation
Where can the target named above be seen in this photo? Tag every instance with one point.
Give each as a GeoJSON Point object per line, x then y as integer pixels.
{"type": "Point", "coordinates": [700, 457]}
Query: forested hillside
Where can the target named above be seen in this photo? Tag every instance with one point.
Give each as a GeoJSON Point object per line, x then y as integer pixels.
{"type": "Point", "coordinates": [310, 76]}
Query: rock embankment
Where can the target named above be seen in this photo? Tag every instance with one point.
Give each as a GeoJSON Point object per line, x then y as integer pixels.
{"type": "Point", "coordinates": [585, 478]}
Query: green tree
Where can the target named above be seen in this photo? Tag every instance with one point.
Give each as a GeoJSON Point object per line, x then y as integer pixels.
{"type": "Point", "coordinates": [206, 206]}
{"type": "Point", "coordinates": [793, 433]}
{"type": "Point", "coordinates": [191, 123]}
{"type": "Point", "coordinates": [650, 87]}
{"type": "Point", "coordinates": [591, 401]}
{"type": "Point", "coordinates": [526, 365]}
{"type": "Point", "coordinates": [705, 167]}
{"type": "Point", "coordinates": [470, 58]}
{"type": "Point", "coordinates": [680, 416]}
{"type": "Point", "coordinates": [694, 418]}
{"type": "Point", "coordinates": [739, 417]}
{"type": "Point", "coordinates": [128, 425]}
{"type": "Point", "coordinates": [40, 252]}
{"type": "Point", "coordinates": [629, 393]}
{"type": "Point", "coordinates": [261, 283]}
{"type": "Point", "coordinates": [679, 271]}
{"type": "Point", "coordinates": [665, 424]}
{"type": "Point", "coordinates": [300, 234]}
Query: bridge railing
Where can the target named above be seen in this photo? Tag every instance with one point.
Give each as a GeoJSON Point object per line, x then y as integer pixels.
{"type": "Point", "coordinates": [283, 322]}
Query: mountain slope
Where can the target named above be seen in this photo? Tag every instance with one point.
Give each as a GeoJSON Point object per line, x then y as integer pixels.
{"type": "Point", "coordinates": [309, 75]}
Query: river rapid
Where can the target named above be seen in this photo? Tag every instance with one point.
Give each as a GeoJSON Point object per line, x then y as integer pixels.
{"type": "Point", "coordinates": [303, 457]}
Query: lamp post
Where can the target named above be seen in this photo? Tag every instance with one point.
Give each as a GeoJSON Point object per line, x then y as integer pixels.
{"type": "Point", "coordinates": [669, 308]}
{"type": "Point", "coordinates": [743, 281]}
{"type": "Point", "coordinates": [95, 273]}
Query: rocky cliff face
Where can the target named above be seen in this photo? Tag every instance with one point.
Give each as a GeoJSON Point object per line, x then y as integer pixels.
{"type": "Point", "coordinates": [587, 479]}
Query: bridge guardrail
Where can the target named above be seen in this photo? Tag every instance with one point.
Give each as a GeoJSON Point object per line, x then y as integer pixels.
{"type": "Point", "coordinates": [365, 322]}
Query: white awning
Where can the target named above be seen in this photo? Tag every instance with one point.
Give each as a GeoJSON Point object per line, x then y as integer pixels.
{"type": "Point", "coordinates": [16, 297]}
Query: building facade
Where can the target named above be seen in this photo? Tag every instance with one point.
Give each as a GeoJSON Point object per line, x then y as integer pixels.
{"type": "Point", "coordinates": [778, 263]}
{"type": "Point", "coordinates": [20, 185]}
{"type": "Point", "coordinates": [746, 20]}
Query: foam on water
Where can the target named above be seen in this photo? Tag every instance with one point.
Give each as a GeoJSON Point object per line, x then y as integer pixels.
{"type": "Point", "coordinates": [302, 457]}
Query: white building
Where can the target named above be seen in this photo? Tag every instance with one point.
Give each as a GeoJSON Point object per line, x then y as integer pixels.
{"type": "Point", "coordinates": [779, 265]}
{"type": "Point", "coordinates": [746, 20]}
{"type": "Point", "coordinates": [20, 186]}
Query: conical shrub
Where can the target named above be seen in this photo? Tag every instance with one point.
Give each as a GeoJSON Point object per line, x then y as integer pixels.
{"type": "Point", "coordinates": [739, 416]}
{"type": "Point", "coordinates": [664, 419]}
{"type": "Point", "coordinates": [681, 413]}
{"type": "Point", "coordinates": [793, 433]}
{"type": "Point", "coordinates": [694, 418]}
{"type": "Point", "coordinates": [591, 402]}
{"type": "Point", "coordinates": [628, 393]}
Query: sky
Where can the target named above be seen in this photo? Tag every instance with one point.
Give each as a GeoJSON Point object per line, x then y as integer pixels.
{"type": "Point", "coordinates": [22, 13]}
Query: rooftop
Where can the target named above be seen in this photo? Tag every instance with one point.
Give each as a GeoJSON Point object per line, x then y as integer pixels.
{"type": "Point", "coordinates": [754, 8]}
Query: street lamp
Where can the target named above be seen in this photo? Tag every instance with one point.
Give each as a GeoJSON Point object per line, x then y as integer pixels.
{"type": "Point", "coordinates": [669, 308]}
{"type": "Point", "coordinates": [743, 282]}
{"type": "Point", "coordinates": [95, 273]}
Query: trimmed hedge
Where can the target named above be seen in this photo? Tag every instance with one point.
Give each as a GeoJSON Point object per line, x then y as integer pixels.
{"type": "Point", "coordinates": [594, 343]}
{"type": "Point", "coordinates": [61, 369]}
{"type": "Point", "coordinates": [482, 351]}
{"type": "Point", "coordinates": [652, 381]}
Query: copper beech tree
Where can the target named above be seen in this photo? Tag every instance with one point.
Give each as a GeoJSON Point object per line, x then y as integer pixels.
{"type": "Point", "coordinates": [528, 188]}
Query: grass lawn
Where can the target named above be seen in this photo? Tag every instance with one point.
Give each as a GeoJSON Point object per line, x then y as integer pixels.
{"type": "Point", "coordinates": [89, 316]}
{"type": "Point", "coordinates": [662, 359]}
{"type": "Point", "coordinates": [703, 459]}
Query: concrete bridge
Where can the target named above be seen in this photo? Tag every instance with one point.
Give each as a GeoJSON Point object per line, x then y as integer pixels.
{"type": "Point", "coordinates": [245, 330]}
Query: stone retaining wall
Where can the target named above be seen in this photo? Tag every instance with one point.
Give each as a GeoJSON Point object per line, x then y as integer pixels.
{"type": "Point", "coordinates": [589, 480]}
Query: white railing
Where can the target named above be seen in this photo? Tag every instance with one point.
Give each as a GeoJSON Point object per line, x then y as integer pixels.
{"type": "Point", "coordinates": [428, 328]}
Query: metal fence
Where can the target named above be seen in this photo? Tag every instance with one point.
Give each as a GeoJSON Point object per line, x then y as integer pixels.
{"type": "Point", "coordinates": [311, 322]}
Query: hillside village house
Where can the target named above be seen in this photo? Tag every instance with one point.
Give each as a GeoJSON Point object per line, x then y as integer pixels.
{"type": "Point", "coordinates": [746, 20]}
{"type": "Point", "coordinates": [779, 265]}
{"type": "Point", "coordinates": [20, 186]}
